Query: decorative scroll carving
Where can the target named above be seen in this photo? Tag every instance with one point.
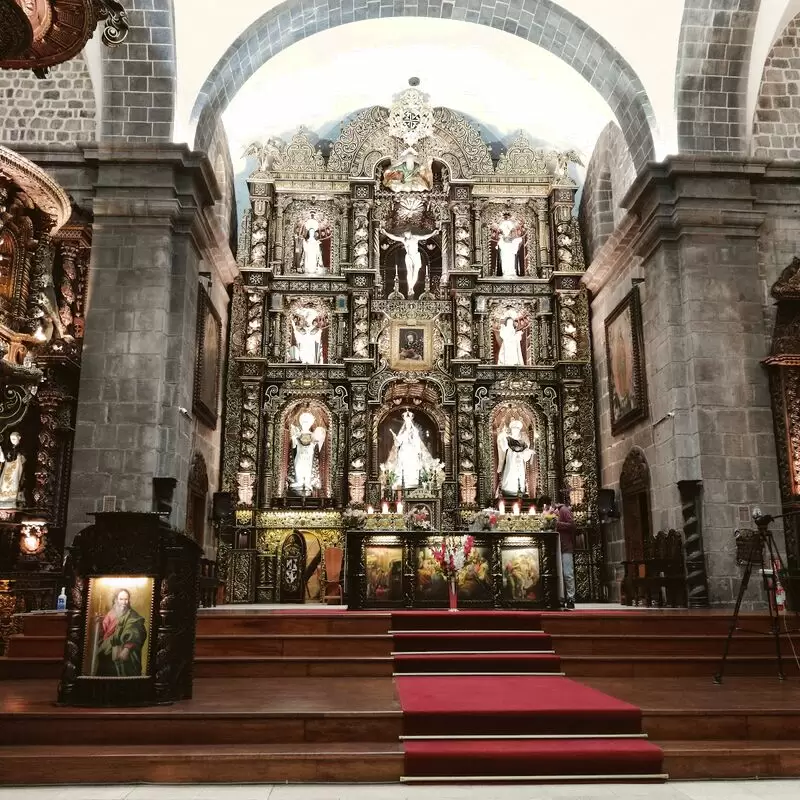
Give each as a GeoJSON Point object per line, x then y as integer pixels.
{"type": "Point", "coordinates": [466, 437]}
{"type": "Point", "coordinates": [463, 326]}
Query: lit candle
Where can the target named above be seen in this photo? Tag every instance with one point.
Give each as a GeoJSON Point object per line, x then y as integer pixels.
{"type": "Point", "coordinates": [515, 508]}
{"type": "Point", "coordinates": [399, 506]}
{"type": "Point", "coordinates": [370, 510]}
{"type": "Point", "coordinates": [501, 506]}
{"type": "Point", "coordinates": [385, 507]}
{"type": "Point", "coordinates": [532, 511]}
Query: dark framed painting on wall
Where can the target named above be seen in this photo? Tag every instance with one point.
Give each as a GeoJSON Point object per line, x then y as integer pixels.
{"type": "Point", "coordinates": [627, 390]}
{"type": "Point", "coordinates": [207, 360]}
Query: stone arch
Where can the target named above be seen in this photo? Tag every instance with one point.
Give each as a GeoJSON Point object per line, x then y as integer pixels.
{"type": "Point", "coordinates": [219, 154]}
{"type": "Point", "coordinates": [776, 123]}
{"type": "Point", "coordinates": [542, 22]}
{"type": "Point", "coordinates": [711, 76]}
{"type": "Point", "coordinates": [634, 487]}
{"type": "Point", "coordinates": [610, 173]}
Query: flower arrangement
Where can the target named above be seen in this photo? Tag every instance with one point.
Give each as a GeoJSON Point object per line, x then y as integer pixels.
{"type": "Point", "coordinates": [549, 522]}
{"type": "Point", "coordinates": [484, 520]}
{"type": "Point", "coordinates": [387, 476]}
{"type": "Point", "coordinates": [418, 519]}
{"type": "Point", "coordinates": [452, 554]}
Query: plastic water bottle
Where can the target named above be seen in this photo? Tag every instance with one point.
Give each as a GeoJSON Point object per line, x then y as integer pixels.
{"type": "Point", "coordinates": [61, 603]}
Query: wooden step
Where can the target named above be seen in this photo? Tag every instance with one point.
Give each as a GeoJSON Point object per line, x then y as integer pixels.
{"type": "Point", "coordinates": [366, 762]}
{"type": "Point", "coordinates": [670, 666]}
{"type": "Point", "coordinates": [291, 667]}
{"type": "Point", "coordinates": [27, 646]}
{"type": "Point", "coordinates": [586, 644]}
{"type": "Point", "coordinates": [30, 668]}
{"type": "Point", "coordinates": [720, 725]}
{"type": "Point", "coordinates": [692, 760]}
{"type": "Point", "coordinates": [306, 645]}
{"type": "Point", "coordinates": [212, 622]}
{"type": "Point", "coordinates": [166, 727]}
{"type": "Point", "coordinates": [635, 623]}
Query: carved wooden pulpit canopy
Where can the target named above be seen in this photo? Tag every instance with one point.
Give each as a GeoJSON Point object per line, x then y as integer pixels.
{"type": "Point", "coordinates": [38, 34]}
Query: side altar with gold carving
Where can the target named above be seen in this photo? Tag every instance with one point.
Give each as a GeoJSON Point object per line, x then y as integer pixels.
{"type": "Point", "coordinates": [409, 327]}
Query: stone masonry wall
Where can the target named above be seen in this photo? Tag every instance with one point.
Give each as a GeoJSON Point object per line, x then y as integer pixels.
{"type": "Point", "coordinates": [61, 108]}
{"type": "Point", "coordinates": [776, 128]}
{"type": "Point", "coordinates": [152, 236]}
{"type": "Point", "coordinates": [709, 239]}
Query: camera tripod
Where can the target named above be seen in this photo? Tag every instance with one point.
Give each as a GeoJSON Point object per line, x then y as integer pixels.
{"type": "Point", "coordinates": [763, 552]}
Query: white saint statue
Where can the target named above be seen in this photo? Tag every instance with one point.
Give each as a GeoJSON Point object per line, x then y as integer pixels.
{"type": "Point", "coordinates": [12, 465]}
{"type": "Point", "coordinates": [304, 471]}
{"type": "Point", "coordinates": [510, 353]}
{"type": "Point", "coordinates": [312, 254]}
{"type": "Point", "coordinates": [409, 454]}
{"type": "Point", "coordinates": [507, 248]}
{"type": "Point", "coordinates": [307, 330]}
{"type": "Point", "coordinates": [413, 257]}
{"type": "Point", "coordinates": [513, 454]}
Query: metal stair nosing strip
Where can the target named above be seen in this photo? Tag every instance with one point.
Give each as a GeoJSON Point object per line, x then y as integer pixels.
{"type": "Point", "coordinates": [661, 776]}
{"type": "Point", "coordinates": [472, 652]}
{"type": "Point", "coordinates": [503, 736]}
{"type": "Point", "coordinates": [477, 674]}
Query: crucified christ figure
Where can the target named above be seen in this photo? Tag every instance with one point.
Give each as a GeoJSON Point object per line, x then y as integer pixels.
{"type": "Point", "coordinates": [413, 257]}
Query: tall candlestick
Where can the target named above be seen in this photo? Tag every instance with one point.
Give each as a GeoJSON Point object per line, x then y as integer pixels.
{"type": "Point", "coordinates": [399, 506]}
{"type": "Point", "coordinates": [501, 506]}
{"type": "Point", "coordinates": [515, 508]}
{"type": "Point", "coordinates": [385, 507]}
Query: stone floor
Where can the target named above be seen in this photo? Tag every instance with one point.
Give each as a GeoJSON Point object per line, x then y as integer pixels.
{"type": "Point", "coordinates": [716, 790]}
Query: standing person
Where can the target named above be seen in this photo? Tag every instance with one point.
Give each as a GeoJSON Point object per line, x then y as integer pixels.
{"type": "Point", "coordinates": [565, 526]}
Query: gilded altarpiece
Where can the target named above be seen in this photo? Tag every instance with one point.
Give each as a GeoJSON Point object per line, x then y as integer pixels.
{"type": "Point", "coordinates": [45, 246]}
{"type": "Point", "coordinates": [409, 345]}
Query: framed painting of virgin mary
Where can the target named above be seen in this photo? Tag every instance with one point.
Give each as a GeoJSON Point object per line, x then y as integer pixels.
{"type": "Point", "coordinates": [627, 390]}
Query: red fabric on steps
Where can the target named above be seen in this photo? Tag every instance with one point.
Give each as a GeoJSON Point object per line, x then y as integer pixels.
{"type": "Point", "coordinates": [532, 757]}
{"type": "Point", "coordinates": [510, 704]}
{"type": "Point", "coordinates": [477, 662]}
{"type": "Point", "coordinates": [485, 640]}
{"type": "Point", "coordinates": [466, 620]}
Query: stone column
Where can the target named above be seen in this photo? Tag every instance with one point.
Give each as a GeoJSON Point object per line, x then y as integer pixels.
{"type": "Point", "coordinates": [149, 239]}
{"type": "Point", "coordinates": [544, 238]}
{"type": "Point", "coordinates": [704, 338]}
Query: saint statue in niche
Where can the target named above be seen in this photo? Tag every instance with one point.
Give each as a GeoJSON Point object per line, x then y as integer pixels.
{"type": "Point", "coordinates": [304, 468]}
{"type": "Point", "coordinates": [510, 335]}
{"type": "Point", "coordinates": [308, 245]}
{"type": "Point", "coordinates": [410, 242]}
{"type": "Point", "coordinates": [514, 451]}
{"type": "Point", "coordinates": [508, 246]}
{"type": "Point", "coordinates": [409, 455]}
{"type": "Point", "coordinates": [12, 466]}
{"type": "Point", "coordinates": [307, 328]}
{"type": "Point", "coordinates": [409, 174]}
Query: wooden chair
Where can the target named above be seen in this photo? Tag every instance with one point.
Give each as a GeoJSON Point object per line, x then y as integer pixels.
{"type": "Point", "coordinates": [333, 574]}
{"type": "Point", "coordinates": [208, 583]}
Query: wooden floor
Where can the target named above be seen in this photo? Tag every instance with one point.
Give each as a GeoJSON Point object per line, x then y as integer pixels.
{"type": "Point", "coordinates": [309, 697]}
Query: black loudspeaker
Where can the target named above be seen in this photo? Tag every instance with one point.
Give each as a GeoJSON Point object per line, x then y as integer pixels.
{"type": "Point", "coordinates": [607, 504]}
{"type": "Point", "coordinates": [222, 506]}
{"type": "Point", "coordinates": [163, 491]}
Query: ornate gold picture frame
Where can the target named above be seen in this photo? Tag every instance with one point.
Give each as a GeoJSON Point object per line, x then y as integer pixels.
{"type": "Point", "coordinates": [208, 357]}
{"type": "Point", "coordinates": [627, 390]}
{"type": "Point", "coordinates": [411, 345]}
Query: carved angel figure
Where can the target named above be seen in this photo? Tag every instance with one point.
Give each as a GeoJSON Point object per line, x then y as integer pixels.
{"type": "Point", "coordinates": [267, 154]}
{"type": "Point", "coordinates": [563, 160]}
{"type": "Point", "coordinates": [307, 441]}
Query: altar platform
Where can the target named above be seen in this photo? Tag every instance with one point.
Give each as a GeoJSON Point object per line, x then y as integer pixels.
{"type": "Point", "coordinates": [312, 695]}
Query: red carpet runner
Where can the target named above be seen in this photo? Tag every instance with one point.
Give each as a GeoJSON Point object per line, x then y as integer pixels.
{"type": "Point", "coordinates": [483, 697]}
